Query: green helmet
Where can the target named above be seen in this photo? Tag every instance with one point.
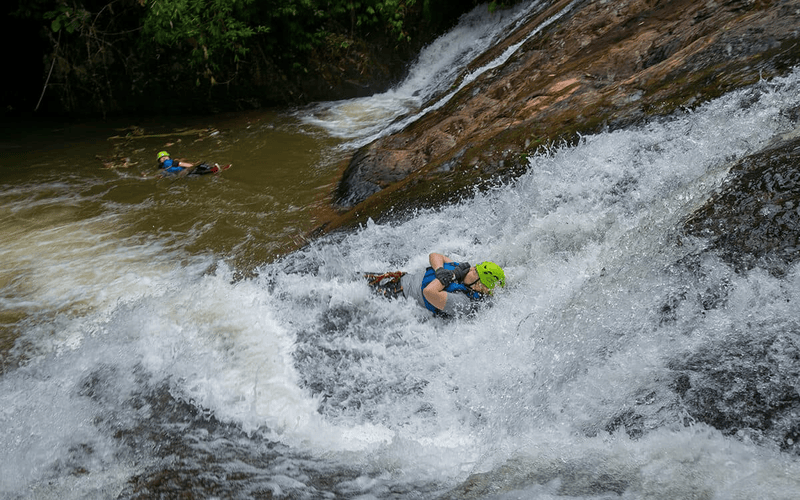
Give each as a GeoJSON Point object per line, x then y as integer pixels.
{"type": "Point", "coordinates": [161, 155]}
{"type": "Point", "coordinates": [490, 274]}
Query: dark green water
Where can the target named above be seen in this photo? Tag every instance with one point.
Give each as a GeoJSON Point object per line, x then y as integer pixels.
{"type": "Point", "coordinates": [278, 186]}
{"type": "Point", "coordinates": [70, 190]}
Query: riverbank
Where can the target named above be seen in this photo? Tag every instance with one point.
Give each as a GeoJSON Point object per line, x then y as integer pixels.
{"type": "Point", "coordinates": [103, 59]}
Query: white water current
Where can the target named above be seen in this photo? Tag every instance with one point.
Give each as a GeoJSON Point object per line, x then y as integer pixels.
{"type": "Point", "coordinates": [132, 344]}
{"type": "Point", "coordinates": [433, 79]}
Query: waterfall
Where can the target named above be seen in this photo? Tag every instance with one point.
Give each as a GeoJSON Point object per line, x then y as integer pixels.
{"type": "Point", "coordinates": [144, 370]}
{"type": "Point", "coordinates": [437, 74]}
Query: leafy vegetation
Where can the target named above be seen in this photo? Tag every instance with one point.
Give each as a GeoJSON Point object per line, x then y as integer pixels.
{"type": "Point", "coordinates": [103, 51]}
{"type": "Point", "coordinates": [215, 30]}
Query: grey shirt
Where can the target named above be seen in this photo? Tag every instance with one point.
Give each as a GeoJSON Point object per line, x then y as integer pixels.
{"type": "Point", "coordinates": [457, 303]}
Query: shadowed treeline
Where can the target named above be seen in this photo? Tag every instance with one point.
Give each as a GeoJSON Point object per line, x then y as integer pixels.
{"type": "Point", "coordinates": [126, 56]}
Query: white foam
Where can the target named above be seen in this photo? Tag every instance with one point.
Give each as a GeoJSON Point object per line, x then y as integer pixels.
{"type": "Point", "coordinates": [305, 355]}
{"type": "Point", "coordinates": [437, 67]}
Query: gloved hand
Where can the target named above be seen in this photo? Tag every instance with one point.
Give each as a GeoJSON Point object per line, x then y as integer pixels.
{"type": "Point", "coordinates": [461, 271]}
{"type": "Point", "coordinates": [444, 276]}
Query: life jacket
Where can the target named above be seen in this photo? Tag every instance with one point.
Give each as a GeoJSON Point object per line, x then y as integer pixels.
{"type": "Point", "coordinates": [430, 275]}
{"type": "Point", "coordinates": [168, 166]}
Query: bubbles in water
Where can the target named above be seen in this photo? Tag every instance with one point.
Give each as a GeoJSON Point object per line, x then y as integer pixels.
{"type": "Point", "coordinates": [583, 379]}
{"type": "Point", "coordinates": [436, 68]}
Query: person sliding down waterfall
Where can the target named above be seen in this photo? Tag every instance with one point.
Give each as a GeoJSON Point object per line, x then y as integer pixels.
{"type": "Point", "coordinates": [180, 167]}
{"type": "Point", "coordinates": [445, 288]}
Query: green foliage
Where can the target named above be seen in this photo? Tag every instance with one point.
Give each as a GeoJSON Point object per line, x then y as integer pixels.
{"type": "Point", "coordinates": [296, 26]}
{"type": "Point", "coordinates": [221, 31]}
{"type": "Point", "coordinates": [389, 13]}
{"type": "Point", "coordinates": [102, 53]}
{"type": "Point", "coordinates": [364, 15]}
{"type": "Point", "coordinates": [215, 29]}
{"type": "Point", "coordinates": [216, 35]}
{"type": "Point", "coordinates": [68, 18]}
{"type": "Point", "coordinates": [494, 5]}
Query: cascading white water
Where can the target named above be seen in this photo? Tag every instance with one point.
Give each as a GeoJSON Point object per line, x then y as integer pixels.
{"type": "Point", "coordinates": [430, 78]}
{"type": "Point", "coordinates": [307, 356]}
{"type": "Point", "coordinates": [561, 389]}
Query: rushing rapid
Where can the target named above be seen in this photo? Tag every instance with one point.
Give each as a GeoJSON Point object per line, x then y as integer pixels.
{"type": "Point", "coordinates": [140, 367]}
{"type": "Point", "coordinates": [435, 77]}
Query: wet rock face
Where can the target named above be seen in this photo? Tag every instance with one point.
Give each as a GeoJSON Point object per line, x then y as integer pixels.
{"type": "Point", "coordinates": [612, 64]}
{"type": "Point", "coordinates": [745, 385]}
{"type": "Point", "coordinates": [754, 220]}
{"type": "Point", "coordinates": [355, 186]}
{"type": "Point", "coordinates": [603, 65]}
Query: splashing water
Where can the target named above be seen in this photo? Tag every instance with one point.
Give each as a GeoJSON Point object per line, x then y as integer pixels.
{"type": "Point", "coordinates": [437, 68]}
{"type": "Point", "coordinates": [300, 383]}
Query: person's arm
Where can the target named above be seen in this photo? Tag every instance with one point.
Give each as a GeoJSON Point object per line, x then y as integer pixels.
{"type": "Point", "coordinates": [434, 292]}
{"type": "Point", "coordinates": [437, 260]}
{"type": "Point", "coordinates": [187, 167]}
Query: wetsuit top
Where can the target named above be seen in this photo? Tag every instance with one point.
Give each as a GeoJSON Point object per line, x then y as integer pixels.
{"type": "Point", "coordinates": [460, 298]}
{"type": "Point", "coordinates": [170, 166]}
